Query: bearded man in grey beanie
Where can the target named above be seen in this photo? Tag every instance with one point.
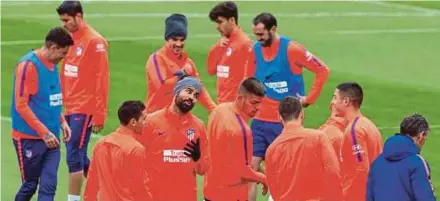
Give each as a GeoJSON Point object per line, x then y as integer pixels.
{"type": "Point", "coordinates": [169, 64]}
{"type": "Point", "coordinates": [176, 145]}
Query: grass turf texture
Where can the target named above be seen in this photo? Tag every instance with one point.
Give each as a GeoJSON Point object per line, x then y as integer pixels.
{"type": "Point", "coordinates": [397, 70]}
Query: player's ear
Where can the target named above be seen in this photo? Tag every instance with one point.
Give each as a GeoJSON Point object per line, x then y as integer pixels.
{"type": "Point", "coordinates": [273, 29]}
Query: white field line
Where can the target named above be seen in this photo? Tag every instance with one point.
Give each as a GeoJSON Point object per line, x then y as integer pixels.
{"type": "Point", "coordinates": [403, 6]}
{"type": "Point", "coordinates": [8, 119]}
{"type": "Point", "coordinates": [110, 39]}
{"type": "Point", "coordinates": [384, 31]}
{"type": "Point", "coordinates": [246, 15]}
{"type": "Point", "coordinates": [204, 36]}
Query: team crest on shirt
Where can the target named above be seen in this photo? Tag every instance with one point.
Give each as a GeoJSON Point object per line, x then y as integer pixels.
{"type": "Point", "coordinates": [190, 133]}
{"type": "Point", "coordinates": [28, 153]}
{"type": "Point", "coordinates": [229, 52]}
{"type": "Point", "coordinates": [79, 50]}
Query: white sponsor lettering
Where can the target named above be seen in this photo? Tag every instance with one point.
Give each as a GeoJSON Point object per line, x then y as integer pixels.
{"type": "Point", "coordinates": [70, 70]}
{"type": "Point", "coordinates": [100, 47]}
{"type": "Point", "coordinates": [279, 87]}
{"type": "Point", "coordinates": [357, 149]}
{"type": "Point", "coordinates": [222, 71]}
{"type": "Point", "coordinates": [175, 156]}
{"type": "Point", "coordinates": [56, 99]}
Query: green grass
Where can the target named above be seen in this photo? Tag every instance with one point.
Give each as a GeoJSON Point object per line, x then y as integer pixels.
{"type": "Point", "coordinates": [398, 71]}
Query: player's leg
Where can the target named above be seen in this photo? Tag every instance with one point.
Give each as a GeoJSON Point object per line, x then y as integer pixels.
{"type": "Point", "coordinates": [29, 153]}
{"type": "Point", "coordinates": [259, 148]}
{"type": "Point", "coordinates": [85, 149]}
{"type": "Point", "coordinates": [274, 131]}
{"type": "Point", "coordinates": [49, 175]}
{"type": "Point", "coordinates": [80, 125]}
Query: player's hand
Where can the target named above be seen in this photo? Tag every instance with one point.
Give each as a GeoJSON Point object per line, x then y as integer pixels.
{"type": "Point", "coordinates": [192, 150]}
{"type": "Point", "coordinates": [224, 42]}
{"type": "Point", "coordinates": [50, 140]}
{"type": "Point", "coordinates": [181, 73]}
{"type": "Point", "coordinates": [303, 100]}
{"type": "Point", "coordinates": [97, 128]}
{"type": "Point", "coordinates": [264, 189]}
{"type": "Point", "coordinates": [67, 132]}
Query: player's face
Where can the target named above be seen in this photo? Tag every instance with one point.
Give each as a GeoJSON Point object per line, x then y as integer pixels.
{"type": "Point", "coordinates": [224, 26]}
{"type": "Point", "coordinates": [57, 53]}
{"type": "Point", "coordinates": [262, 35]}
{"type": "Point", "coordinates": [176, 44]}
{"type": "Point", "coordinates": [339, 103]}
{"type": "Point", "coordinates": [70, 23]}
{"type": "Point", "coordinates": [138, 125]}
{"type": "Point", "coordinates": [186, 99]}
{"type": "Point", "coordinates": [250, 104]}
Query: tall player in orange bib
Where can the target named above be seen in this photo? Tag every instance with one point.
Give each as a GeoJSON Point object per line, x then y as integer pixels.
{"type": "Point", "coordinates": [169, 64]}
{"type": "Point", "coordinates": [176, 145]}
{"type": "Point", "coordinates": [278, 62]}
{"type": "Point", "coordinates": [227, 57]}
{"type": "Point", "coordinates": [85, 83]}
{"type": "Point", "coordinates": [362, 141]}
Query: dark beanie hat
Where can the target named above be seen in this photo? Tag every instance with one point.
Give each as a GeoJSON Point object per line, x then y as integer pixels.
{"type": "Point", "coordinates": [176, 25]}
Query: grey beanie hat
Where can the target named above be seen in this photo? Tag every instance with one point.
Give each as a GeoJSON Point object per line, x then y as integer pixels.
{"type": "Point", "coordinates": [187, 82]}
{"type": "Point", "coordinates": [176, 25]}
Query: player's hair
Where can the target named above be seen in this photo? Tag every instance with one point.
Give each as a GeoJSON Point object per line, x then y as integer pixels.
{"type": "Point", "coordinates": [353, 91]}
{"type": "Point", "coordinates": [131, 109]}
{"type": "Point", "coordinates": [414, 124]}
{"type": "Point", "coordinates": [58, 36]}
{"type": "Point", "coordinates": [226, 9]}
{"type": "Point", "coordinates": [267, 19]}
{"type": "Point", "coordinates": [290, 108]}
{"type": "Point", "coordinates": [70, 8]}
{"type": "Point", "coordinates": [253, 86]}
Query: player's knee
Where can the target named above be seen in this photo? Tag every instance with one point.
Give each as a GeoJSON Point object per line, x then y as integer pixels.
{"type": "Point", "coordinates": [75, 166]}
{"type": "Point", "coordinates": [29, 187]}
{"type": "Point", "coordinates": [48, 187]}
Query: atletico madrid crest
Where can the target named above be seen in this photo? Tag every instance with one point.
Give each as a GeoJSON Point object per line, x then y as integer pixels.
{"type": "Point", "coordinates": [190, 134]}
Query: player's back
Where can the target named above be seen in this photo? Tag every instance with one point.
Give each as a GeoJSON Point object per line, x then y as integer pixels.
{"type": "Point", "coordinates": [113, 170]}
{"type": "Point", "coordinates": [294, 166]}
{"type": "Point", "coordinates": [361, 145]}
{"type": "Point", "coordinates": [230, 145]}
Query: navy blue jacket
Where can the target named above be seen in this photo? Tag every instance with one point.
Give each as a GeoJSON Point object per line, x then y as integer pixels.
{"type": "Point", "coordinates": [400, 173]}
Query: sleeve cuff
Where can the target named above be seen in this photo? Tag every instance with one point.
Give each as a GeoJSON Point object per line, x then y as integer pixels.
{"type": "Point", "coordinates": [98, 119]}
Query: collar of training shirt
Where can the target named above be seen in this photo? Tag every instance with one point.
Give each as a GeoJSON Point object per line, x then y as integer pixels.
{"type": "Point", "coordinates": [238, 111]}
{"type": "Point", "coordinates": [81, 31]}
{"type": "Point", "coordinates": [292, 126]}
{"type": "Point", "coordinates": [338, 122]}
{"type": "Point", "coordinates": [43, 60]}
{"type": "Point", "coordinates": [125, 131]}
{"type": "Point", "coordinates": [175, 118]}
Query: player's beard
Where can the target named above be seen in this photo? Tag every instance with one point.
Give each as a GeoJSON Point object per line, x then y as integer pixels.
{"type": "Point", "coordinates": [268, 42]}
{"type": "Point", "coordinates": [184, 105]}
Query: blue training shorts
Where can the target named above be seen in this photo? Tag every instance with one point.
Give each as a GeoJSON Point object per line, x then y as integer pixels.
{"type": "Point", "coordinates": [263, 134]}
{"type": "Point", "coordinates": [77, 159]}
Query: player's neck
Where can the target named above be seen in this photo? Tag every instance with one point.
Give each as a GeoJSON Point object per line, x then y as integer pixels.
{"type": "Point", "coordinates": [351, 115]}
{"type": "Point", "coordinates": [294, 122]}
{"type": "Point", "coordinates": [45, 54]}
